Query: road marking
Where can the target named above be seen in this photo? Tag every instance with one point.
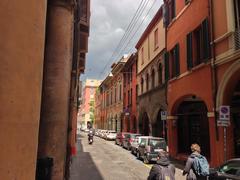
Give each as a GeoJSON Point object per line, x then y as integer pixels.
{"type": "Point", "coordinates": [148, 165]}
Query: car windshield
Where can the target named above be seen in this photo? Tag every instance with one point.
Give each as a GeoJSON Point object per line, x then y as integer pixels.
{"type": "Point", "coordinates": [232, 168]}
{"type": "Point", "coordinates": [157, 143]}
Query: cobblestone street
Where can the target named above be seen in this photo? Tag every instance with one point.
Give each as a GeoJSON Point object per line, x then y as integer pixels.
{"type": "Point", "coordinates": [103, 160]}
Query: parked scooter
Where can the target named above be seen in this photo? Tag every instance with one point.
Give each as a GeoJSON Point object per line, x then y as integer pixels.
{"type": "Point", "coordinates": [90, 136]}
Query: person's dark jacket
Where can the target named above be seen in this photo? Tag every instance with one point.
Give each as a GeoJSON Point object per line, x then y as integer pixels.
{"type": "Point", "coordinates": [159, 169]}
{"type": "Point", "coordinates": [189, 170]}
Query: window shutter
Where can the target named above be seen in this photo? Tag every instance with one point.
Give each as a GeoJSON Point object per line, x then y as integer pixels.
{"type": "Point", "coordinates": [177, 63]}
{"type": "Point", "coordinates": [206, 40]}
{"type": "Point", "coordinates": [173, 8]}
{"type": "Point", "coordinates": [189, 51]}
{"type": "Point", "coordinates": [166, 64]}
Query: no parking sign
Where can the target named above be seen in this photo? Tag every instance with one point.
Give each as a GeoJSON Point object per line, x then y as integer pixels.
{"type": "Point", "coordinates": [224, 116]}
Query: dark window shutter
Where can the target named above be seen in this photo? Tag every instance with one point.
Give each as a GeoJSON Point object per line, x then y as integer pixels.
{"type": "Point", "coordinates": [166, 64]}
{"type": "Point", "coordinates": [177, 63]}
{"type": "Point", "coordinates": [173, 9]}
{"type": "Point", "coordinates": [206, 40]}
{"type": "Point", "coordinates": [189, 51]}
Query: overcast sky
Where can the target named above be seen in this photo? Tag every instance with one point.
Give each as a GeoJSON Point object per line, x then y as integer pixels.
{"type": "Point", "coordinates": [109, 21]}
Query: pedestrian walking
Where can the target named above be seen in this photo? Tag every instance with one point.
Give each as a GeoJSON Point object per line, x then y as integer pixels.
{"type": "Point", "coordinates": [163, 169]}
{"type": "Point", "coordinates": [197, 167]}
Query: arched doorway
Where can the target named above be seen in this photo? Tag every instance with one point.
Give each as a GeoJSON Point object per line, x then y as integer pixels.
{"type": "Point", "coordinates": [145, 125]}
{"type": "Point", "coordinates": [235, 108]}
{"type": "Point", "coordinates": [193, 126]}
{"type": "Point", "coordinates": [229, 94]}
{"type": "Point", "coordinates": [160, 127]}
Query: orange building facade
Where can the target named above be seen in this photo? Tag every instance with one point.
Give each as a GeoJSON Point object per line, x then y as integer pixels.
{"type": "Point", "coordinates": [203, 74]}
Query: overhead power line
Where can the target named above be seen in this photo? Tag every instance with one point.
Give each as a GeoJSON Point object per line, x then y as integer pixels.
{"type": "Point", "coordinates": [135, 18]}
{"type": "Point", "coordinates": [138, 28]}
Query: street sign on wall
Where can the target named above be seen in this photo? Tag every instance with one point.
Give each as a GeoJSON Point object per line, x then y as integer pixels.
{"type": "Point", "coordinates": [163, 115]}
{"type": "Point", "coordinates": [224, 116]}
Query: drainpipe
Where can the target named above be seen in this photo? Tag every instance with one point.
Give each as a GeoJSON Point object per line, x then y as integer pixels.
{"type": "Point", "coordinates": [213, 67]}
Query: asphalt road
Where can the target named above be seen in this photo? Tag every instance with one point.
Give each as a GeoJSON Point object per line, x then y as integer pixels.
{"type": "Point", "coordinates": [103, 160]}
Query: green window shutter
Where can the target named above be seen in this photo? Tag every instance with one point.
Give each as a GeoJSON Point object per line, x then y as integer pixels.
{"type": "Point", "coordinates": [177, 62]}
{"type": "Point", "coordinates": [206, 40]}
{"type": "Point", "coordinates": [189, 51]}
{"type": "Point", "coordinates": [166, 64]}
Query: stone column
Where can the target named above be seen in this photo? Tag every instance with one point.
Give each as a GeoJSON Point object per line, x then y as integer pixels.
{"type": "Point", "coordinates": [56, 86]}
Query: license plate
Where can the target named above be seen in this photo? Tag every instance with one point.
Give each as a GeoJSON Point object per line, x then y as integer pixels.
{"type": "Point", "coordinates": [157, 150]}
{"type": "Point", "coordinates": [154, 159]}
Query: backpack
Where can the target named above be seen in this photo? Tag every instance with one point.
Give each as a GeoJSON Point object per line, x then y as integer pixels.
{"type": "Point", "coordinates": [201, 166]}
{"type": "Point", "coordinates": [165, 173]}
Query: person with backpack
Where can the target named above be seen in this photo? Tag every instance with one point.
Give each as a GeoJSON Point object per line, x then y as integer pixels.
{"type": "Point", "coordinates": [163, 169]}
{"type": "Point", "coordinates": [197, 167]}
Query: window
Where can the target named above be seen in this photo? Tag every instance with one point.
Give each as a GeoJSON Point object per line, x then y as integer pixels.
{"type": "Point", "coordinates": [198, 45]}
{"type": "Point", "coordinates": [142, 83]}
{"type": "Point", "coordinates": [136, 90]}
{"type": "Point", "coordinates": [160, 74]}
{"type": "Point", "coordinates": [172, 10]}
{"type": "Point", "coordinates": [153, 78]}
{"type": "Point", "coordinates": [115, 94]}
{"type": "Point", "coordinates": [142, 55]}
{"type": "Point", "coordinates": [147, 82]}
{"type": "Point", "coordinates": [111, 98]}
{"type": "Point", "coordinates": [237, 13]}
{"type": "Point", "coordinates": [128, 98]}
{"type": "Point", "coordinates": [131, 96]}
{"type": "Point", "coordinates": [175, 66]}
{"type": "Point", "coordinates": [156, 39]}
{"type": "Point", "coordinates": [120, 92]}
{"type": "Point", "coordinates": [166, 66]}
{"type": "Point", "coordinates": [130, 73]}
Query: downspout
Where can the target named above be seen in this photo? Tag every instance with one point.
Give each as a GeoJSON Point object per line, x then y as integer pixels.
{"type": "Point", "coordinates": [213, 68]}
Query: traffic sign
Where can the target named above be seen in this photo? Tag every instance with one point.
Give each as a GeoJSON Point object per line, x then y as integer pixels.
{"type": "Point", "coordinates": [163, 115]}
{"type": "Point", "coordinates": [224, 116]}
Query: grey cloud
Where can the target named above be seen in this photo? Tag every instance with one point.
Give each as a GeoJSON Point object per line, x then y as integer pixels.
{"type": "Point", "coordinates": [109, 19]}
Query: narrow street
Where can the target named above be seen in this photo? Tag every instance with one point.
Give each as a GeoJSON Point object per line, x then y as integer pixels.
{"type": "Point", "coordinates": [103, 160]}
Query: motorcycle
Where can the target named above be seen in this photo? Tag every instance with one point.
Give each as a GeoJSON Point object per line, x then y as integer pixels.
{"type": "Point", "coordinates": [90, 138]}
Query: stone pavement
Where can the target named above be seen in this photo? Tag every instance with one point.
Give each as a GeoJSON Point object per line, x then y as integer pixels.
{"type": "Point", "coordinates": [103, 160]}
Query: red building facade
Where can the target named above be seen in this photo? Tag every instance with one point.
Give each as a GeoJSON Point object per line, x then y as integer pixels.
{"type": "Point", "coordinates": [130, 95]}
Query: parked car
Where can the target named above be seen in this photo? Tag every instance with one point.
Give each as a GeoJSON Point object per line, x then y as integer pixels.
{"type": "Point", "coordinates": [119, 138]}
{"type": "Point", "coordinates": [102, 133]}
{"type": "Point", "coordinates": [111, 135]}
{"type": "Point", "coordinates": [229, 170]}
{"type": "Point", "coordinates": [149, 147]}
{"type": "Point", "coordinates": [135, 144]}
{"type": "Point", "coordinates": [128, 140]}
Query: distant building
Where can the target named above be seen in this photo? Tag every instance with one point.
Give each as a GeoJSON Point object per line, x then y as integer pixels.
{"type": "Point", "coordinates": [111, 93]}
{"type": "Point", "coordinates": [87, 107]}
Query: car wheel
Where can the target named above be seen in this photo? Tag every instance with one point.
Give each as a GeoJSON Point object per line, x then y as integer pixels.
{"type": "Point", "coordinates": [145, 160]}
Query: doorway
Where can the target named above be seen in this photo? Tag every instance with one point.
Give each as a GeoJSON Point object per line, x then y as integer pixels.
{"type": "Point", "coordinates": [193, 127]}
